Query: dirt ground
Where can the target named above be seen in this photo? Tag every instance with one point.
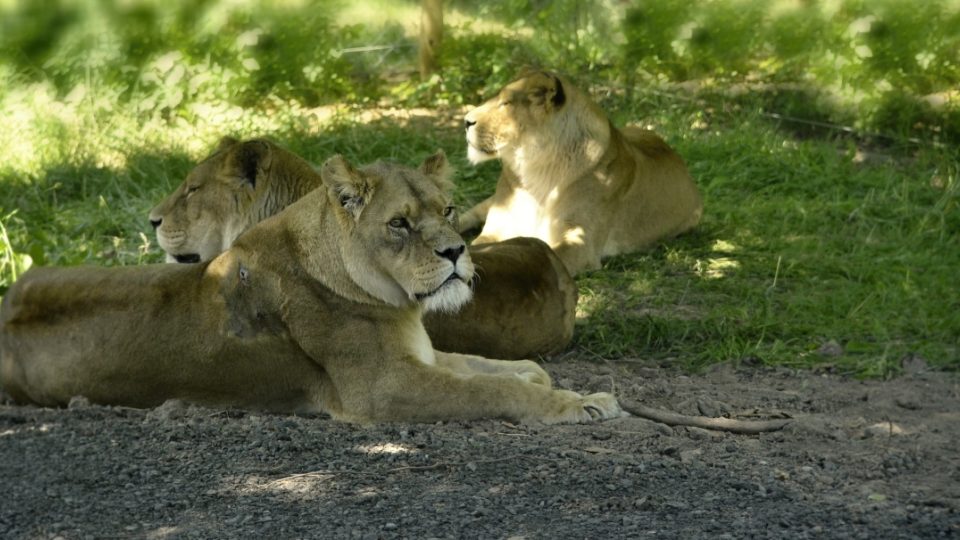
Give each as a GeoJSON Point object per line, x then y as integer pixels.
{"type": "Point", "coordinates": [861, 459]}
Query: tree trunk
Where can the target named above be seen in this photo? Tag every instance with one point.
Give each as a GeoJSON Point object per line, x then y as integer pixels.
{"type": "Point", "coordinates": [431, 33]}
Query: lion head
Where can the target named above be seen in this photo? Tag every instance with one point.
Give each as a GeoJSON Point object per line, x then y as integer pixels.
{"type": "Point", "coordinates": [401, 243]}
{"type": "Point", "coordinates": [237, 186]}
{"type": "Point", "coordinates": [523, 109]}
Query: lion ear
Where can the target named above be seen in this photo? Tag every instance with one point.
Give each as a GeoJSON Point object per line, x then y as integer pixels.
{"type": "Point", "coordinates": [549, 92]}
{"type": "Point", "coordinates": [246, 160]}
{"type": "Point", "coordinates": [345, 185]}
{"type": "Point", "coordinates": [225, 142]}
{"type": "Point", "coordinates": [559, 96]}
{"type": "Point", "coordinates": [437, 168]}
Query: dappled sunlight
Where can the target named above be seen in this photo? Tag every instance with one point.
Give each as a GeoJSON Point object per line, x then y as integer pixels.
{"type": "Point", "coordinates": [716, 268]}
{"type": "Point", "coordinates": [298, 484]}
{"type": "Point", "coordinates": [318, 118]}
{"type": "Point", "coordinates": [313, 482]}
{"type": "Point", "coordinates": [163, 532]}
{"type": "Point", "coordinates": [640, 286]}
{"type": "Point", "coordinates": [573, 236]}
{"type": "Point", "coordinates": [723, 246]}
{"type": "Point", "coordinates": [380, 13]}
{"type": "Point", "coordinates": [588, 304]}
{"type": "Point", "coordinates": [386, 448]}
{"type": "Point", "coordinates": [42, 428]}
{"type": "Point", "coordinates": [612, 296]}
{"type": "Point", "coordinates": [407, 15]}
{"type": "Point", "coordinates": [720, 266]}
{"type": "Point", "coordinates": [318, 481]}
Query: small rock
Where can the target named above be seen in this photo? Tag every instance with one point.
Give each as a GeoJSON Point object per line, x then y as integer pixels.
{"type": "Point", "coordinates": [914, 364]}
{"type": "Point", "coordinates": [170, 410]}
{"type": "Point", "coordinates": [663, 429]}
{"type": "Point", "coordinates": [700, 434]}
{"type": "Point", "coordinates": [78, 402]}
{"type": "Point", "coordinates": [830, 349]}
{"type": "Point", "coordinates": [907, 403]}
{"type": "Point", "coordinates": [882, 429]}
{"type": "Point", "coordinates": [712, 407]}
{"type": "Point", "coordinates": [689, 456]}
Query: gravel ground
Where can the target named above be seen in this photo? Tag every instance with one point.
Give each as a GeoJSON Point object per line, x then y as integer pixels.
{"type": "Point", "coordinates": [862, 459]}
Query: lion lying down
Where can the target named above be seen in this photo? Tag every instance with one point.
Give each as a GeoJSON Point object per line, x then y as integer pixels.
{"type": "Point", "coordinates": [524, 299]}
{"type": "Point", "coordinates": [571, 178]}
{"type": "Point", "coordinates": [315, 309]}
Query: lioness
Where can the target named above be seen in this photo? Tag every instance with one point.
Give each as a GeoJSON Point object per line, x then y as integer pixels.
{"type": "Point", "coordinates": [315, 309]}
{"type": "Point", "coordinates": [524, 300]}
{"type": "Point", "coordinates": [571, 178]}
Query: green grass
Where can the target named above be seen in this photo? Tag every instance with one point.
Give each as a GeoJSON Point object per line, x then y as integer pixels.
{"type": "Point", "coordinates": [800, 245]}
{"type": "Point", "coordinates": [811, 235]}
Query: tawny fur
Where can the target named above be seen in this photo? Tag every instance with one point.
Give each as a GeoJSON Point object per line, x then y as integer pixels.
{"type": "Point", "coordinates": [524, 300]}
{"type": "Point", "coordinates": [571, 178]}
{"type": "Point", "coordinates": [315, 309]}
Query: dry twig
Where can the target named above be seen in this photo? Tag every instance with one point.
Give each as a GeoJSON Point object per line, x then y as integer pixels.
{"type": "Point", "coordinates": [747, 427]}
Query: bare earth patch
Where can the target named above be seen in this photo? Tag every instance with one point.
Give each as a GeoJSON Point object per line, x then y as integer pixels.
{"type": "Point", "coordinates": [861, 459]}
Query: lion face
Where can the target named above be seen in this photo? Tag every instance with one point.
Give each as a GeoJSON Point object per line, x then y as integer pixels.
{"type": "Point", "coordinates": [401, 226]}
{"type": "Point", "coordinates": [208, 211]}
{"type": "Point", "coordinates": [521, 109]}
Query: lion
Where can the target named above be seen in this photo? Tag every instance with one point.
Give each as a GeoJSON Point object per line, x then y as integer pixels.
{"type": "Point", "coordinates": [524, 299]}
{"type": "Point", "coordinates": [571, 178]}
{"type": "Point", "coordinates": [316, 309]}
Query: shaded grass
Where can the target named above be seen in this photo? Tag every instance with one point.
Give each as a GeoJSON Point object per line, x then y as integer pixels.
{"type": "Point", "coordinates": [800, 247]}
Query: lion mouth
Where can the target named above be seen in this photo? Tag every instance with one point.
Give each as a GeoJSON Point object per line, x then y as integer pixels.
{"type": "Point", "coordinates": [187, 258]}
{"type": "Point", "coordinates": [451, 278]}
{"type": "Point", "coordinates": [476, 154]}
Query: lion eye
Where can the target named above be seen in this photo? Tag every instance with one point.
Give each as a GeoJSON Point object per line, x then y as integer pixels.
{"type": "Point", "coordinates": [398, 223]}
{"type": "Point", "coordinates": [192, 189]}
{"type": "Point", "coordinates": [449, 211]}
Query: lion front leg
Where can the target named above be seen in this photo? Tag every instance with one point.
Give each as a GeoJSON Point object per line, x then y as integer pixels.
{"type": "Point", "coordinates": [474, 218]}
{"type": "Point", "coordinates": [410, 391]}
{"type": "Point", "coordinates": [464, 364]}
{"type": "Point", "coordinates": [578, 257]}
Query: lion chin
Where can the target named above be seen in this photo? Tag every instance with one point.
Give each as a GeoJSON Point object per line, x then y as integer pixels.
{"type": "Point", "coordinates": [477, 156]}
{"type": "Point", "coordinates": [449, 297]}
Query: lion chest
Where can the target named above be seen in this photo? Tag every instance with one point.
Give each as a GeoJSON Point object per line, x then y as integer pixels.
{"type": "Point", "coordinates": [418, 344]}
{"type": "Point", "coordinates": [521, 214]}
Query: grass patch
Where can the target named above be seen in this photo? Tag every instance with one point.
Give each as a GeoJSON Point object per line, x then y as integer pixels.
{"type": "Point", "coordinates": [800, 247]}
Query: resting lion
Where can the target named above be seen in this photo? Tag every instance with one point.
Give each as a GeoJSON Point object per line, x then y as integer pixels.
{"type": "Point", "coordinates": [571, 178]}
{"type": "Point", "coordinates": [524, 300]}
{"type": "Point", "coordinates": [315, 309]}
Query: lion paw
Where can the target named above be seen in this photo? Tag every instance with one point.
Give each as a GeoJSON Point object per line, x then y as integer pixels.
{"type": "Point", "coordinates": [602, 406]}
{"type": "Point", "coordinates": [585, 409]}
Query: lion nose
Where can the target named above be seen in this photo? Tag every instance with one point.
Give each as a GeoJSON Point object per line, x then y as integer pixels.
{"type": "Point", "coordinates": [452, 253]}
{"type": "Point", "coordinates": [467, 123]}
{"type": "Point", "coordinates": [156, 222]}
